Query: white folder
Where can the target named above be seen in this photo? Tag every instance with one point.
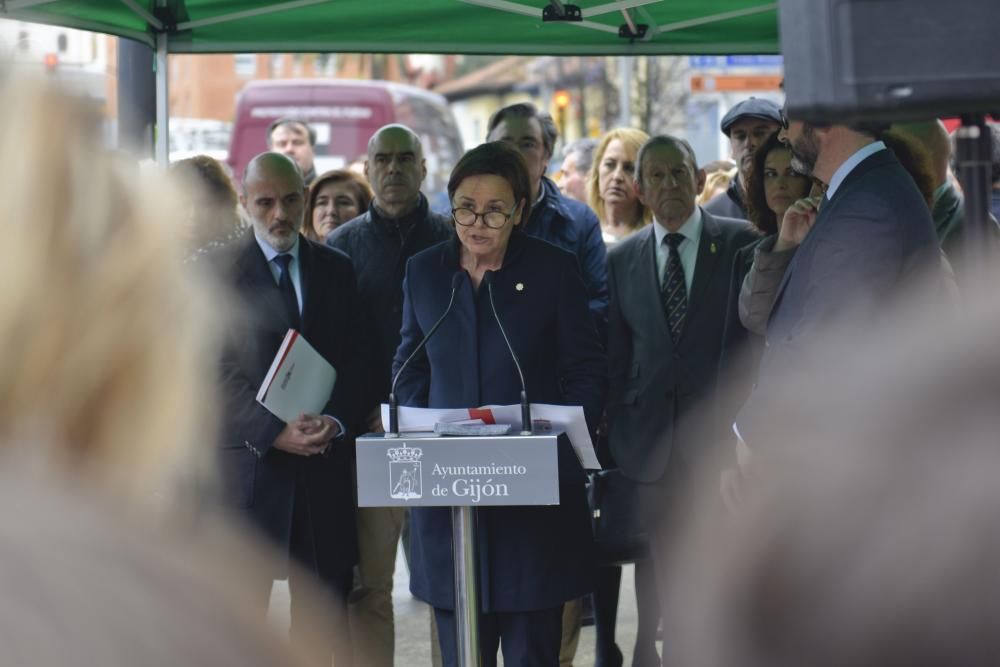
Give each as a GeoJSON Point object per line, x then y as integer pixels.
{"type": "Point", "coordinates": [299, 381]}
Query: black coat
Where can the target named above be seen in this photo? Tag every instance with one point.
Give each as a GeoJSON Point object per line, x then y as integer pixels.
{"type": "Point", "coordinates": [380, 249]}
{"type": "Point", "coordinates": [530, 557]}
{"type": "Point", "coordinates": [262, 481]}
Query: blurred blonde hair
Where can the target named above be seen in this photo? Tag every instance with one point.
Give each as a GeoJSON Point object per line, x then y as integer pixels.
{"type": "Point", "coordinates": [106, 340]}
{"type": "Point", "coordinates": [714, 183]}
{"type": "Point", "coordinates": [632, 139]}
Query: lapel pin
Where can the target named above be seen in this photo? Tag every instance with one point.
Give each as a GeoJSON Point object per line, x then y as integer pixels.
{"type": "Point", "coordinates": [519, 287]}
{"type": "Point", "coordinates": [713, 248]}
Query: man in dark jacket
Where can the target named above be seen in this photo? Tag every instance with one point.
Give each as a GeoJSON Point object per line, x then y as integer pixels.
{"type": "Point", "coordinates": [747, 125]}
{"type": "Point", "coordinates": [292, 481]}
{"type": "Point", "coordinates": [555, 218]}
{"type": "Point", "coordinates": [397, 225]}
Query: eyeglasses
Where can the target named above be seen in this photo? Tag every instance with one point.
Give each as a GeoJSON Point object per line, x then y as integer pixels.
{"type": "Point", "coordinates": [784, 118]}
{"type": "Point", "coordinates": [492, 219]}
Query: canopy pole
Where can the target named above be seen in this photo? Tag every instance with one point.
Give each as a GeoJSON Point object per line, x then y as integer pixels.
{"type": "Point", "coordinates": [624, 92]}
{"type": "Point", "coordinates": [136, 98]}
{"type": "Point", "coordinates": [162, 148]}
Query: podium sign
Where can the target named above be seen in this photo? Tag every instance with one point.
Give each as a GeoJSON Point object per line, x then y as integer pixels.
{"type": "Point", "coordinates": [426, 470]}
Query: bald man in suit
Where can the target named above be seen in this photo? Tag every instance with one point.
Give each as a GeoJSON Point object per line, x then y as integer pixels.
{"type": "Point", "coordinates": [292, 481]}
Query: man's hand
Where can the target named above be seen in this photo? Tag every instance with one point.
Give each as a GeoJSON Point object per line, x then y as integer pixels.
{"type": "Point", "coordinates": [375, 420]}
{"type": "Point", "coordinates": [308, 435]}
{"type": "Point", "coordinates": [798, 220]}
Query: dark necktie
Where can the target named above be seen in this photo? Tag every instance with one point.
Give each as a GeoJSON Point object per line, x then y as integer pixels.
{"type": "Point", "coordinates": [673, 291]}
{"type": "Point", "coordinates": [287, 289]}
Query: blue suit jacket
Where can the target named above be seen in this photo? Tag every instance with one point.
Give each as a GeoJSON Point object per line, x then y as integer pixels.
{"type": "Point", "coordinates": [573, 226]}
{"type": "Point", "coordinates": [872, 238]}
{"type": "Point", "coordinates": [534, 557]}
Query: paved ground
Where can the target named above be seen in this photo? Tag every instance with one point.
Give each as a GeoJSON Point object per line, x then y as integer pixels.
{"type": "Point", "coordinates": [412, 622]}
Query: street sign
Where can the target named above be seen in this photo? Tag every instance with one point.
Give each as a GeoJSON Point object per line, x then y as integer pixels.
{"type": "Point", "coordinates": [733, 83]}
{"type": "Point", "coordinates": [723, 62]}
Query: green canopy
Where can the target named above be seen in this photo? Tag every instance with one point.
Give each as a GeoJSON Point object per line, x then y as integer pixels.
{"type": "Point", "coordinates": [421, 26]}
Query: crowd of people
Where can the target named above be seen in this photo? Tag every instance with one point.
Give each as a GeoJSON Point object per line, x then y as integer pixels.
{"type": "Point", "coordinates": [685, 330]}
{"type": "Point", "coordinates": [670, 322]}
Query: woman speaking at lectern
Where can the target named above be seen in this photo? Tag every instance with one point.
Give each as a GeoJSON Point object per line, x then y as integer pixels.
{"type": "Point", "coordinates": [531, 559]}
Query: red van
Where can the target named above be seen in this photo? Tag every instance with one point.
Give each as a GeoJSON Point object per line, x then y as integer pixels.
{"type": "Point", "coordinates": [345, 114]}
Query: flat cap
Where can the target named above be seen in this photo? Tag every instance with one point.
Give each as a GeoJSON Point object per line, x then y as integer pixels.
{"type": "Point", "coordinates": [751, 107]}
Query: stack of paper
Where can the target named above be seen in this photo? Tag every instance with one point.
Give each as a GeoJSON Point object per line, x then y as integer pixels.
{"type": "Point", "coordinates": [545, 417]}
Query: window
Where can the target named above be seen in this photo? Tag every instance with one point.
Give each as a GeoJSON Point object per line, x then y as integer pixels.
{"type": "Point", "coordinates": [245, 64]}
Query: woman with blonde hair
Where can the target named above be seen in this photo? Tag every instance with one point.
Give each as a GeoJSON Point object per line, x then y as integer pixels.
{"type": "Point", "coordinates": [716, 182]}
{"type": "Point", "coordinates": [611, 184]}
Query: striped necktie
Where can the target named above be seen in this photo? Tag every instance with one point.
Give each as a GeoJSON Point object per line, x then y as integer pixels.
{"type": "Point", "coordinates": [673, 292]}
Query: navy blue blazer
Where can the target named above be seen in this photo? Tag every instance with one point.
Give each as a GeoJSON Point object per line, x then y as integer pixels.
{"type": "Point", "coordinates": [258, 480]}
{"type": "Point", "coordinates": [872, 238]}
{"type": "Point", "coordinates": [530, 557]}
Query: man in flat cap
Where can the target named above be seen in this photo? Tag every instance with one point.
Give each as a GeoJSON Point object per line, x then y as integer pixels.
{"type": "Point", "coordinates": [748, 125]}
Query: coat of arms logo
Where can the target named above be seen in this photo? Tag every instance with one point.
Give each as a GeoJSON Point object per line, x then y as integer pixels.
{"type": "Point", "coordinates": [405, 474]}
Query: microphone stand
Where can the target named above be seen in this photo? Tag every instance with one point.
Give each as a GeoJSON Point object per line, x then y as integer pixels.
{"type": "Point", "coordinates": [393, 431]}
{"type": "Point", "coordinates": [525, 406]}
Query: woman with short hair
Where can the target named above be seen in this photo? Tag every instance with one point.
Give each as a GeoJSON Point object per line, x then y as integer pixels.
{"type": "Point", "coordinates": [510, 286]}
{"type": "Point", "coordinates": [334, 198]}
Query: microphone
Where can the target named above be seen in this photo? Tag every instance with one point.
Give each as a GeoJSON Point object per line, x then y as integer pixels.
{"type": "Point", "coordinates": [393, 431]}
{"type": "Point", "coordinates": [525, 406]}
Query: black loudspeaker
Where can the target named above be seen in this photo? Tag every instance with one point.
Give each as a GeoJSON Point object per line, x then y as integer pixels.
{"type": "Point", "coordinates": [883, 60]}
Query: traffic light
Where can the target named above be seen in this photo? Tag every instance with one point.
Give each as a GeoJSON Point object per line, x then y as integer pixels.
{"type": "Point", "coordinates": [561, 100]}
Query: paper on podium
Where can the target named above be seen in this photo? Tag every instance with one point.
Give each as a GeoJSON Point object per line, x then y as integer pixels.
{"type": "Point", "coordinates": [299, 380]}
{"type": "Point", "coordinates": [545, 417]}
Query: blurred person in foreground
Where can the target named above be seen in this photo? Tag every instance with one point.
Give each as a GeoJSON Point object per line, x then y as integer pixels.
{"type": "Point", "coordinates": [296, 139]}
{"type": "Point", "coordinates": [747, 125]}
{"type": "Point", "coordinates": [869, 236]}
{"type": "Point", "coordinates": [292, 481]}
{"type": "Point", "coordinates": [212, 205]}
{"type": "Point", "coordinates": [334, 198]}
{"type": "Point", "coordinates": [868, 534]}
{"type": "Point", "coordinates": [669, 284]}
{"type": "Point", "coordinates": [541, 301]}
{"type": "Point", "coordinates": [578, 156]}
{"type": "Point", "coordinates": [395, 226]}
{"type": "Point", "coordinates": [106, 404]}
{"type": "Point", "coordinates": [611, 184]}
{"type": "Point", "coordinates": [556, 218]}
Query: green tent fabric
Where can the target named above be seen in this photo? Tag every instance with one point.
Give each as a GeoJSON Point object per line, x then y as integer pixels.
{"type": "Point", "coordinates": [419, 26]}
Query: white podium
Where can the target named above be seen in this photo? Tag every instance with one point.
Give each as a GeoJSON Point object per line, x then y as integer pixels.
{"type": "Point", "coordinates": [463, 473]}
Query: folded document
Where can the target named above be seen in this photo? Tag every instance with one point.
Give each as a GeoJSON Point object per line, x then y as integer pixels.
{"type": "Point", "coordinates": [299, 381]}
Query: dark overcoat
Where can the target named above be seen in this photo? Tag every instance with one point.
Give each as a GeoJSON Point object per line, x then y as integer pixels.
{"type": "Point", "coordinates": [259, 480]}
{"type": "Point", "coordinates": [530, 557]}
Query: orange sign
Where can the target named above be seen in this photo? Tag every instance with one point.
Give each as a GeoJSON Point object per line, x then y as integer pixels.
{"type": "Point", "coordinates": [734, 83]}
